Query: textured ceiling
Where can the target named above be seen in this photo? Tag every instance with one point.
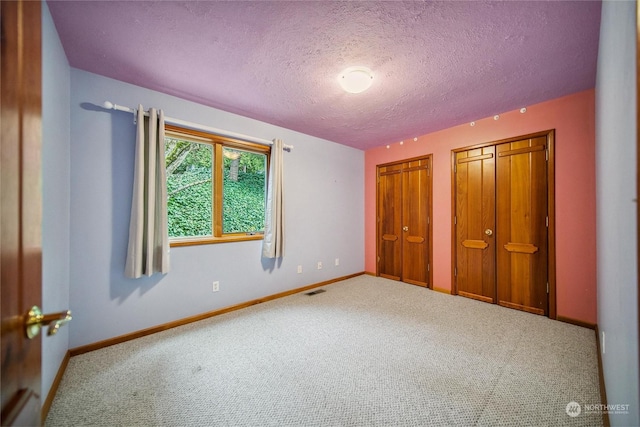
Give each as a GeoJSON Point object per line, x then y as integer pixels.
{"type": "Point", "coordinates": [436, 64]}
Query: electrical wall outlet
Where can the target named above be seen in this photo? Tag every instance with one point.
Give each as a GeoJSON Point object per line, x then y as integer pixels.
{"type": "Point", "coordinates": [216, 286]}
{"type": "Point", "coordinates": [299, 269]}
{"type": "Point", "coordinates": [337, 262]}
{"type": "Point", "coordinates": [319, 265]}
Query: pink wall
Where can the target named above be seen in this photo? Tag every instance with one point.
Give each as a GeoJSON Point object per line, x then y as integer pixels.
{"type": "Point", "coordinates": [573, 118]}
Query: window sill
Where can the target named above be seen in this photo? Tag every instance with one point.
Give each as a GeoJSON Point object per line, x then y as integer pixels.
{"type": "Point", "coordinates": [191, 241]}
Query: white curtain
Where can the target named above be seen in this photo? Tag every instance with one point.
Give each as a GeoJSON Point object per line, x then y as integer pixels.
{"type": "Point", "coordinates": [273, 243]}
{"type": "Point", "coordinates": [148, 250]}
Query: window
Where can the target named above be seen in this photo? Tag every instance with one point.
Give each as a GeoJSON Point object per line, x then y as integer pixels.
{"type": "Point", "coordinates": [216, 187]}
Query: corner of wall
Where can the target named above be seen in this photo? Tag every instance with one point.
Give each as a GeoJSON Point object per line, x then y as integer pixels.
{"type": "Point", "coordinates": [617, 234]}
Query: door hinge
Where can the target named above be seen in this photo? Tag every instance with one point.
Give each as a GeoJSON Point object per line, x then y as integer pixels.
{"type": "Point", "coordinates": [455, 168]}
{"type": "Point", "coordinates": [455, 220]}
{"type": "Point", "coordinates": [547, 287]}
{"type": "Point", "coordinates": [547, 221]}
{"type": "Point", "coordinates": [428, 220]}
{"type": "Point", "coordinates": [428, 267]}
{"type": "Point", "coordinates": [378, 259]}
{"type": "Point", "coordinates": [455, 271]}
{"type": "Point", "coordinates": [546, 154]}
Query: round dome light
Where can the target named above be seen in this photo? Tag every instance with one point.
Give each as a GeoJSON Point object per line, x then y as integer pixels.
{"type": "Point", "coordinates": [355, 79]}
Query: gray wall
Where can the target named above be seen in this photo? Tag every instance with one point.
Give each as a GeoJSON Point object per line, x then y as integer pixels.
{"type": "Point", "coordinates": [55, 187]}
{"type": "Point", "coordinates": [616, 207]}
{"type": "Point", "coordinates": [324, 203]}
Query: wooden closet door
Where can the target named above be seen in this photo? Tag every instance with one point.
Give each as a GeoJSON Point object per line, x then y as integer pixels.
{"type": "Point", "coordinates": [390, 221]}
{"type": "Point", "coordinates": [415, 212]}
{"type": "Point", "coordinates": [522, 256]}
{"type": "Point", "coordinates": [475, 223]}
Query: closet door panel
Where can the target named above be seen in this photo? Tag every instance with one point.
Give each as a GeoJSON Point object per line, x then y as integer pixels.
{"type": "Point", "coordinates": [390, 221]}
{"type": "Point", "coordinates": [415, 233]}
{"type": "Point", "coordinates": [521, 225]}
{"type": "Point", "coordinates": [475, 223]}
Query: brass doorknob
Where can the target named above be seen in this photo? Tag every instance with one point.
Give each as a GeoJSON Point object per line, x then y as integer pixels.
{"type": "Point", "coordinates": [405, 228]}
{"type": "Point", "coordinates": [34, 320]}
{"type": "Point", "coordinates": [488, 232]}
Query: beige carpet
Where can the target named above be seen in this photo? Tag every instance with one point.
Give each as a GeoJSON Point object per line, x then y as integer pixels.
{"type": "Point", "coordinates": [367, 352]}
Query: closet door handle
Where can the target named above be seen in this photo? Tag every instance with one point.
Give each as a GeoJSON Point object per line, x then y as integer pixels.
{"type": "Point", "coordinates": [405, 228]}
{"type": "Point", "coordinates": [488, 232]}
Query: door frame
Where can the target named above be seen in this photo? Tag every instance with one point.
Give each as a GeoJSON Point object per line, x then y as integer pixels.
{"type": "Point", "coordinates": [551, 207]}
{"type": "Point", "coordinates": [428, 157]}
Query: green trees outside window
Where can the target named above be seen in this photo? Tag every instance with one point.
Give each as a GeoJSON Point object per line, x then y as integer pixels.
{"type": "Point", "coordinates": [244, 191]}
{"type": "Point", "coordinates": [191, 187]}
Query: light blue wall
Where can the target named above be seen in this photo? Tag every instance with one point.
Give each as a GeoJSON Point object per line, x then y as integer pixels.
{"type": "Point", "coordinates": [56, 91]}
{"type": "Point", "coordinates": [617, 232]}
{"type": "Point", "coordinates": [324, 203]}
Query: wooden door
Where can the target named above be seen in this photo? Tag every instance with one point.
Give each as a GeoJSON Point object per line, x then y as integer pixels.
{"type": "Point", "coordinates": [522, 221]}
{"type": "Point", "coordinates": [474, 222]}
{"type": "Point", "coordinates": [404, 210]}
{"type": "Point", "coordinates": [416, 206]}
{"type": "Point", "coordinates": [504, 245]}
{"type": "Point", "coordinates": [20, 209]}
{"type": "Point", "coordinates": [390, 221]}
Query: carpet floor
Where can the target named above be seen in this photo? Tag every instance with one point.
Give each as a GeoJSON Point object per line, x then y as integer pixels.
{"type": "Point", "coordinates": [367, 352]}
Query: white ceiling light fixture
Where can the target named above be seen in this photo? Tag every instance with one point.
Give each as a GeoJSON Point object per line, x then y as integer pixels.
{"type": "Point", "coordinates": [356, 79]}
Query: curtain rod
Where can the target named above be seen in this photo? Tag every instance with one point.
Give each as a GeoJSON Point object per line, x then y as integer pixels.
{"type": "Point", "coordinates": [111, 106]}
